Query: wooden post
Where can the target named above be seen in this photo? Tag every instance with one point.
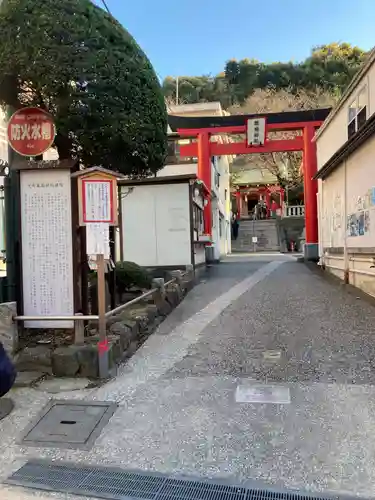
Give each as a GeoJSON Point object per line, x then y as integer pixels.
{"type": "Point", "coordinates": [103, 342]}
{"type": "Point", "coordinates": [79, 331]}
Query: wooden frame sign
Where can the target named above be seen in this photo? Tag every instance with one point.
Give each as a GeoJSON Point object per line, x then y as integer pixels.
{"type": "Point", "coordinates": [97, 197]}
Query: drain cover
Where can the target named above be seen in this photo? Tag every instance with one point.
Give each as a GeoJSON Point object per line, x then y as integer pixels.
{"type": "Point", "coordinates": [69, 424]}
{"type": "Point", "coordinates": [118, 484]}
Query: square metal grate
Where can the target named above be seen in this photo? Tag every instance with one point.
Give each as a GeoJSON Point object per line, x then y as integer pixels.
{"type": "Point", "coordinates": [118, 484]}
{"type": "Point", "coordinates": [68, 424]}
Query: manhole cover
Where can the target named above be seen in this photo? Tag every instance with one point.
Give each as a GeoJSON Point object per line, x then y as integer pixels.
{"type": "Point", "coordinates": [258, 393]}
{"type": "Point", "coordinates": [69, 424]}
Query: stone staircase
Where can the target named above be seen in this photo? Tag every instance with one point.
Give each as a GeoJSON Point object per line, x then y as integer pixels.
{"type": "Point", "coordinates": [265, 231]}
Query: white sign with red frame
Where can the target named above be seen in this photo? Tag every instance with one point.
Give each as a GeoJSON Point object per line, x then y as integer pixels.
{"type": "Point", "coordinates": [97, 196]}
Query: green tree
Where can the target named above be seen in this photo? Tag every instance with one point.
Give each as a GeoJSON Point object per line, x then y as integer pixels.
{"type": "Point", "coordinates": [330, 67]}
{"type": "Point", "coordinates": [77, 62]}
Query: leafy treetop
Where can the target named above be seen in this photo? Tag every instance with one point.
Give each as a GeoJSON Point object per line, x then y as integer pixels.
{"type": "Point", "coordinates": [77, 62]}
{"type": "Point", "coordinates": [329, 67]}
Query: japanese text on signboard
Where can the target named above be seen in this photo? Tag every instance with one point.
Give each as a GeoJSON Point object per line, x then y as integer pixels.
{"type": "Point", "coordinates": [97, 201]}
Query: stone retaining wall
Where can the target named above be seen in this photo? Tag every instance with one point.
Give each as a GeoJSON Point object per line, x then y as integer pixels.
{"type": "Point", "coordinates": [126, 332]}
{"type": "Point", "coordinates": [8, 328]}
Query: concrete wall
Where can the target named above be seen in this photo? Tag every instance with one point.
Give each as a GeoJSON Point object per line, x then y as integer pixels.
{"type": "Point", "coordinates": [199, 254]}
{"type": "Point", "coordinates": [347, 219]}
{"type": "Point", "coordinates": [335, 132]}
{"type": "Point", "coordinates": [178, 169]}
{"type": "Point", "coordinates": [156, 225]}
{"type": "Point", "coordinates": [220, 207]}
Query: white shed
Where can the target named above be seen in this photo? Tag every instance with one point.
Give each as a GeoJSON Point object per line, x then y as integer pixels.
{"type": "Point", "coordinates": [161, 221]}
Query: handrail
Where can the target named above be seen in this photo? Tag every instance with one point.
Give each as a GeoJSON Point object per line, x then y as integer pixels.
{"type": "Point", "coordinates": [93, 317]}
{"type": "Point", "coordinates": [130, 303]}
{"type": "Point", "coordinates": [56, 318]}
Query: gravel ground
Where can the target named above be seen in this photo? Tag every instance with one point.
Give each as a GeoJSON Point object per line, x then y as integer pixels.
{"type": "Point", "coordinates": [323, 333]}
{"type": "Point", "coordinates": [251, 320]}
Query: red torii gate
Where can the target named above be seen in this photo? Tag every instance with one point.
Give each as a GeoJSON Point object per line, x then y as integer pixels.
{"type": "Point", "coordinates": [204, 127]}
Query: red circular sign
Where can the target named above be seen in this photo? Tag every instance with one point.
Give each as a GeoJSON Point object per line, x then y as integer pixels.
{"type": "Point", "coordinates": [31, 131]}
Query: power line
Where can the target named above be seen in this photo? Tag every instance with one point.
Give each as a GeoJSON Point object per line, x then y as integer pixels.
{"type": "Point", "coordinates": [106, 7]}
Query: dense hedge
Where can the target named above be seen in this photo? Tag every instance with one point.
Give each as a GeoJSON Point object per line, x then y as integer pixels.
{"type": "Point", "coordinates": [75, 60]}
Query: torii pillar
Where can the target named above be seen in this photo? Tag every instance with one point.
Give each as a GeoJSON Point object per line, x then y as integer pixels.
{"type": "Point", "coordinates": [311, 249]}
{"type": "Point", "coordinates": [204, 174]}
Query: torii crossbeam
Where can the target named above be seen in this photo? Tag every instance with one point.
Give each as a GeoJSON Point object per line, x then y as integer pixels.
{"type": "Point", "coordinates": [203, 128]}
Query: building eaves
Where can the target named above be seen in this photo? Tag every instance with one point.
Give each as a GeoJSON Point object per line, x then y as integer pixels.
{"type": "Point", "coordinates": [350, 146]}
{"type": "Point", "coordinates": [352, 85]}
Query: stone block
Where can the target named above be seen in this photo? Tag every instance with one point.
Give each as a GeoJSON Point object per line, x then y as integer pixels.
{"type": "Point", "coordinates": [138, 313]}
{"type": "Point", "coordinates": [88, 361]}
{"type": "Point", "coordinates": [65, 361]}
{"type": "Point", "coordinates": [163, 306]}
{"type": "Point", "coordinates": [123, 332]}
{"type": "Point", "coordinates": [114, 346]}
{"type": "Point", "coordinates": [173, 294]}
{"type": "Point", "coordinates": [8, 327]}
{"type": "Point", "coordinates": [152, 312]}
{"type": "Point", "coordinates": [187, 283]}
{"type": "Point", "coordinates": [158, 283]}
{"type": "Point", "coordinates": [37, 358]}
{"type": "Point", "coordinates": [133, 326]}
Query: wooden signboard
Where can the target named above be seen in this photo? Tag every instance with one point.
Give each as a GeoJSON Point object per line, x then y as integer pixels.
{"type": "Point", "coordinates": [97, 202]}
{"type": "Point", "coordinates": [97, 196]}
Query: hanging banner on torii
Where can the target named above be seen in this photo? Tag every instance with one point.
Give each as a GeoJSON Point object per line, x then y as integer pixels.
{"type": "Point", "coordinates": [31, 131]}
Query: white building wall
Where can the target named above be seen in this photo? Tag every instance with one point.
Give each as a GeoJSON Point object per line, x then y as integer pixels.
{"type": "Point", "coordinates": [221, 235]}
{"type": "Point", "coordinates": [334, 132]}
{"type": "Point", "coordinates": [178, 169]}
{"type": "Point", "coordinates": [347, 219]}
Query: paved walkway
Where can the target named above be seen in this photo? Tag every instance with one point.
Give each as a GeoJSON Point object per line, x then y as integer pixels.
{"type": "Point", "coordinates": [261, 319]}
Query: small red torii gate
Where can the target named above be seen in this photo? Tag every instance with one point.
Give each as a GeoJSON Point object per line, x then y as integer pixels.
{"type": "Point", "coordinates": [204, 127]}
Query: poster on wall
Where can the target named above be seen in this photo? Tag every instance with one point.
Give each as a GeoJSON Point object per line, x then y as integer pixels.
{"type": "Point", "coordinates": [352, 225]}
{"type": "Point", "coordinates": [361, 223]}
{"type": "Point", "coordinates": [367, 221]}
{"type": "Point", "coordinates": [47, 256]}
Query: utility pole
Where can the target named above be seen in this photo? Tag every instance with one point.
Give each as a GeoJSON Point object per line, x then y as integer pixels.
{"type": "Point", "coordinates": [12, 213]}
{"type": "Point", "coordinates": [176, 89]}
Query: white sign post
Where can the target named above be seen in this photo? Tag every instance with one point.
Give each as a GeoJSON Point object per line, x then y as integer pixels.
{"type": "Point", "coordinates": [47, 255]}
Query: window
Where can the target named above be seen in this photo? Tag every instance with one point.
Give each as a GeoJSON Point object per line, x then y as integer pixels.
{"type": "Point", "coordinates": [357, 112]}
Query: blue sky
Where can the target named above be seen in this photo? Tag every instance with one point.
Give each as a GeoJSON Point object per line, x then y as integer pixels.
{"type": "Point", "coordinates": [195, 37]}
